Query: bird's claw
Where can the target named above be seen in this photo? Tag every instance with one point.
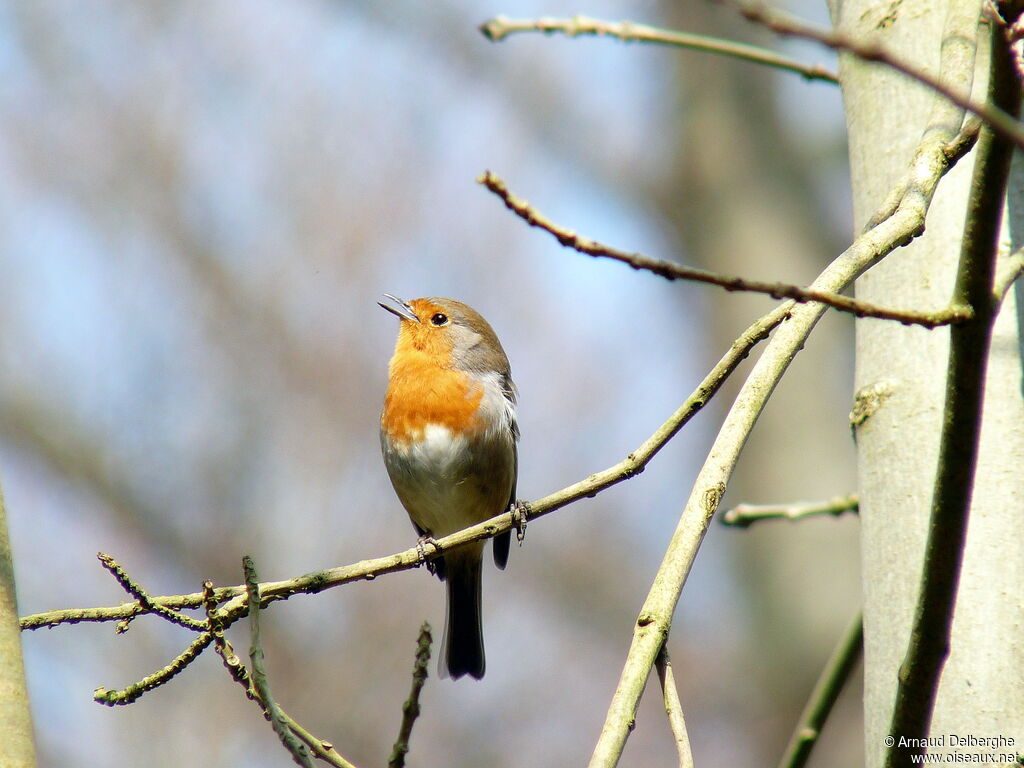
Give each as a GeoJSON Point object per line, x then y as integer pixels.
{"type": "Point", "coordinates": [520, 514]}
{"type": "Point", "coordinates": [421, 549]}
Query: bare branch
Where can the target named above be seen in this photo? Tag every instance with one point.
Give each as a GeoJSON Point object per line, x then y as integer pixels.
{"type": "Point", "coordinates": [260, 679]}
{"type": "Point", "coordinates": [135, 690]}
{"type": "Point", "coordinates": [146, 603]}
{"type": "Point", "coordinates": [671, 271]}
{"type": "Point", "coordinates": [500, 27]}
{"type": "Point", "coordinates": [323, 750]}
{"type": "Point", "coordinates": [744, 515]}
{"type": "Point", "coordinates": [1007, 272]}
{"type": "Point", "coordinates": [411, 707]}
{"type": "Point", "coordinates": [311, 583]}
{"type": "Point", "coordinates": [651, 628]}
{"type": "Point", "coordinates": [673, 709]}
{"type": "Point", "coordinates": [826, 691]}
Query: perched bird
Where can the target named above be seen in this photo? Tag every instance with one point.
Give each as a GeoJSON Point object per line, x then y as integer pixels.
{"type": "Point", "coordinates": [448, 433]}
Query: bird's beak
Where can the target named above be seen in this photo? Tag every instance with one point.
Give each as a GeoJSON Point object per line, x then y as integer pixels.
{"type": "Point", "coordinates": [396, 306]}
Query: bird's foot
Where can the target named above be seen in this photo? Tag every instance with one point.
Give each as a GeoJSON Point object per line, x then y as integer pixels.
{"type": "Point", "coordinates": [520, 514]}
{"type": "Point", "coordinates": [421, 549]}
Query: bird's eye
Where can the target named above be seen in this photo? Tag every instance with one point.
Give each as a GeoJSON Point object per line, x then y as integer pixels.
{"type": "Point", "coordinates": [439, 319]}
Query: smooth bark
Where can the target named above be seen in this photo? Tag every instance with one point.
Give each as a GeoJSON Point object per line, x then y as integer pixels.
{"type": "Point", "coordinates": [17, 747]}
{"type": "Point", "coordinates": [900, 378]}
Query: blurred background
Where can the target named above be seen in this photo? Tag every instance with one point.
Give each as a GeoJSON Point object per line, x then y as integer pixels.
{"type": "Point", "coordinates": [200, 203]}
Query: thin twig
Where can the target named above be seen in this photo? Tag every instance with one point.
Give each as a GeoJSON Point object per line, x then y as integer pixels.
{"type": "Point", "coordinates": [1007, 271]}
{"type": "Point", "coordinates": [323, 749]}
{"type": "Point", "coordinates": [1001, 121]}
{"type": "Point", "coordinates": [673, 709]}
{"type": "Point", "coordinates": [500, 27]}
{"type": "Point", "coordinates": [632, 465]}
{"type": "Point", "coordinates": [220, 642]}
{"type": "Point", "coordinates": [145, 601]}
{"type": "Point", "coordinates": [411, 707]}
{"type": "Point", "coordinates": [655, 616]}
{"type": "Point", "coordinates": [260, 679]}
{"type": "Point", "coordinates": [824, 695]}
{"type": "Point", "coordinates": [959, 147]}
{"type": "Point", "coordinates": [928, 647]}
{"type": "Point", "coordinates": [130, 694]}
{"type": "Point", "coordinates": [743, 515]}
{"type": "Point", "coordinates": [124, 611]}
{"type": "Point", "coordinates": [672, 271]}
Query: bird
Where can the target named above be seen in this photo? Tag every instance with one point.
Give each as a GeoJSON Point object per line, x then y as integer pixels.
{"type": "Point", "coordinates": [448, 433]}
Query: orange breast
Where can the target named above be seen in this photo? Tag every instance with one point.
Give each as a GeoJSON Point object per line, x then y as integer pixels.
{"type": "Point", "coordinates": [420, 393]}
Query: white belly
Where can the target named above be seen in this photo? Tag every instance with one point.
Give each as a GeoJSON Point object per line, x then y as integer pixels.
{"type": "Point", "coordinates": [447, 483]}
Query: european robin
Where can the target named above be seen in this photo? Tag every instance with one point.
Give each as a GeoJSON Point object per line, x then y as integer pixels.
{"type": "Point", "coordinates": [448, 432]}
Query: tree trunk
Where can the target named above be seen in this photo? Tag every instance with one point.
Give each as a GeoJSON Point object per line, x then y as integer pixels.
{"type": "Point", "coordinates": [17, 748]}
{"type": "Point", "coordinates": [900, 383]}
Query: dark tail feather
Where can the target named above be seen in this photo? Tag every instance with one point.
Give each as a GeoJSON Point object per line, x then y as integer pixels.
{"type": "Point", "coordinates": [463, 651]}
{"type": "Point", "coordinates": [501, 544]}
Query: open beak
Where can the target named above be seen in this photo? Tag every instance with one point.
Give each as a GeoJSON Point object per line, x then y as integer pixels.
{"type": "Point", "coordinates": [396, 306]}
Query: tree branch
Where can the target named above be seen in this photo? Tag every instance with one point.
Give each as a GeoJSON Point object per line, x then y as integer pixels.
{"type": "Point", "coordinates": [260, 679]}
{"type": "Point", "coordinates": [323, 750]}
{"type": "Point", "coordinates": [826, 691]}
{"type": "Point", "coordinates": [655, 618]}
{"type": "Point", "coordinates": [145, 601]}
{"type": "Point", "coordinates": [1007, 272]}
{"type": "Point", "coordinates": [256, 689]}
{"type": "Point", "coordinates": [672, 271]}
{"type": "Point", "coordinates": [235, 597]}
{"type": "Point", "coordinates": [928, 646]}
{"type": "Point", "coordinates": [673, 709]}
{"type": "Point", "coordinates": [131, 694]}
{"type": "Point", "coordinates": [411, 707]}
{"type": "Point", "coordinates": [744, 515]}
{"type": "Point", "coordinates": [500, 27]}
